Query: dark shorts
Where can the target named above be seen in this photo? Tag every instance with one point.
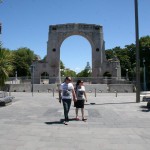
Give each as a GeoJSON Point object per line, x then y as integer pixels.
{"type": "Point", "coordinates": [79, 104]}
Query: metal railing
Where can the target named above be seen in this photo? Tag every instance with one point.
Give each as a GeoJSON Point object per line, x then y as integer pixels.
{"type": "Point", "coordinates": [87, 80]}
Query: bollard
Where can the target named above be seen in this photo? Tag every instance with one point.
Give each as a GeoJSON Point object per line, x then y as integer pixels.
{"type": "Point", "coordinates": [116, 93]}
{"type": "Point", "coordinates": [95, 92]}
{"type": "Point", "coordinates": [49, 90]}
{"type": "Point", "coordinates": [4, 94]}
{"type": "Point", "coordinates": [53, 92]}
{"type": "Point", "coordinates": [148, 105]}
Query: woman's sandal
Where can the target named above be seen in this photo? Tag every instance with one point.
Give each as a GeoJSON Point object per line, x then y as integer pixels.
{"type": "Point", "coordinates": [77, 119]}
{"type": "Point", "coordinates": [84, 119]}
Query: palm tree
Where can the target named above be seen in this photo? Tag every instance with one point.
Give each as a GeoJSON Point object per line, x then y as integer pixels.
{"type": "Point", "coordinates": [6, 66]}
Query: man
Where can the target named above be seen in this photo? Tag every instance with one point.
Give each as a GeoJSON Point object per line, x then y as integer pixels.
{"type": "Point", "coordinates": [67, 94]}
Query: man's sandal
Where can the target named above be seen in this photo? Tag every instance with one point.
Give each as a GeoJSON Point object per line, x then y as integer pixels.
{"type": "Point", "coordinates": [65, 123]}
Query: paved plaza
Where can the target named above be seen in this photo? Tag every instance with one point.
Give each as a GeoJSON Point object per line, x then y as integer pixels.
{"type": "Point", "coordinates": [114, 123]}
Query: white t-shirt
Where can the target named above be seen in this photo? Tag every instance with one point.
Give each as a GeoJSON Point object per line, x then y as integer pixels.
{"type": "Point", "coordinates": [80, 93]}
{"type": "Point", "coordinates": [66, 90]}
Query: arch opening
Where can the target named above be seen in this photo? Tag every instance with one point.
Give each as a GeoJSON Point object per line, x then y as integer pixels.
{"type": "Point", "coordinates": [44, 78]}
{"type": "Point", "coordinates": [75, 52]}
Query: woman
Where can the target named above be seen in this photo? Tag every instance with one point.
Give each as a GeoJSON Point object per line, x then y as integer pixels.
{"type": "Point", "coordinates": [81, 98]}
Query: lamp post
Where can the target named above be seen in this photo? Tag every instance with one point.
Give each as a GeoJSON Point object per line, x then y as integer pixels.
{"type": "Point", "coordinates": [32, 67]}
{"type": "Point", "coordinates": [144, 79]}
{"type": "Point", "coordinates": [58, 85]}
{"type": "Point", "coordinates": [116, 72]}
{"type": "Point", "coordinates": [127, 74]}
{"type": "Point", "coordinates": [137, 53]}
{"type": "Point", "coordinates": [16, 76]}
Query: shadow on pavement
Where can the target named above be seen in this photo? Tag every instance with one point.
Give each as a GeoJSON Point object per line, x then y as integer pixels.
{"type": "Point", "coordinates": [110, 103]}
{"type": "Point", "coordinates": [144, 108]}
{"type": "Point", "coordinates": [59, 122]}
{"type": "Point", "coordinates": [55, 122]}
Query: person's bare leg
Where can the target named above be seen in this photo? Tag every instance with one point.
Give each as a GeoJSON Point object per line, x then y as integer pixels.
{"type": "Point", "coordinates": [76, 113]}
{"type": "Point", "coordinates": [82, 112]}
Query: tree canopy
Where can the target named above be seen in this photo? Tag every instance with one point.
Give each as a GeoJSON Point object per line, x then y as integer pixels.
{"type": "Point", "coordinates": [127, 57]}
{"type": "Point", "coordinates": [6, 64]}
{"type": "Point", "coordinates": [23, 60]}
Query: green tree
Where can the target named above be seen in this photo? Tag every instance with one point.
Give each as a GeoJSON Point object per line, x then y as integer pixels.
{"type": "Point", "coordinates": [132, 59]}
{"type": "Point", "coordinates": [44, 59]}
{"type": "Point", "coordinates": [84, 73]}
{"type": "Point", "coordinates": [123, 55]}
{"type": "Point", "coordinates": [6, 66]}
{"type": "Point", "coordinates": [23, 60]}
{"type": "Point", "coordinates": [62, 69]}
{"type": "Point", "coordinates": [62, 66]}
{"type": "Point", "coordinates": [109, 54]}
{"type": "Point", "coordinates": [144, 44]}
{"type": "Point", "coordinates": [124, 58]}
{"type": "Point", "coordinates": [127, 57]}
{"type": "Point", "coordinates": [68, 72]}
{"type": "Point", "coordinates": [145, 49]}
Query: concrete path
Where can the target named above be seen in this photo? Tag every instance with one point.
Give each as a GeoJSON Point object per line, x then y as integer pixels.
{"type": "Point", "coordinates": [114, 123]}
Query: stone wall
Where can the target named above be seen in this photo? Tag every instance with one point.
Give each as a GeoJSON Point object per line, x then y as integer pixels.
{"type": "Point", "coordinates": [122, 88]}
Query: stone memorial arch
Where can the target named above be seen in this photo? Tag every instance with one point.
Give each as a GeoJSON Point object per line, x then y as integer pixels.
{"type": "Point", "coordinates": [58, 33]}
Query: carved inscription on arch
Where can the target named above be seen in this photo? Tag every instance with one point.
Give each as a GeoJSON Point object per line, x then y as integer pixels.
{"type": "Point", "coordinates": [75, 27]}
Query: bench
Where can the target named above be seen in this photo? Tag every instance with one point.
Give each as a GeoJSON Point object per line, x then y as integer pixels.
{"type": "Point", "coordinates": [146, 97]}
{"type": "Point", "coordinates": [5, 99]}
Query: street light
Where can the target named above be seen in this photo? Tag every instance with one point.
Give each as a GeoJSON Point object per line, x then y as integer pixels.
{"type": "Point", "coordinates": [137, 53]}
{"type": "Point", "coordinates": [32, 67]}
{"type": "Point", "coordinates": [116, 72]}
{"type": "Point", "coordinates": [144, 80]}
{"type": "Point", "coordinates": [16, 76]}
{"type": "Point", "coordinates": [127, 74]}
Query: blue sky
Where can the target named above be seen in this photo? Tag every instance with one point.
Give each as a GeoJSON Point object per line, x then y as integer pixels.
{"type": "Point", "coordinates": [25, 23]}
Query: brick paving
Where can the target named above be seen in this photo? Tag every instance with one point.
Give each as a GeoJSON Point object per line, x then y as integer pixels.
{"type": "Point", "coordinates": [114, 123]}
